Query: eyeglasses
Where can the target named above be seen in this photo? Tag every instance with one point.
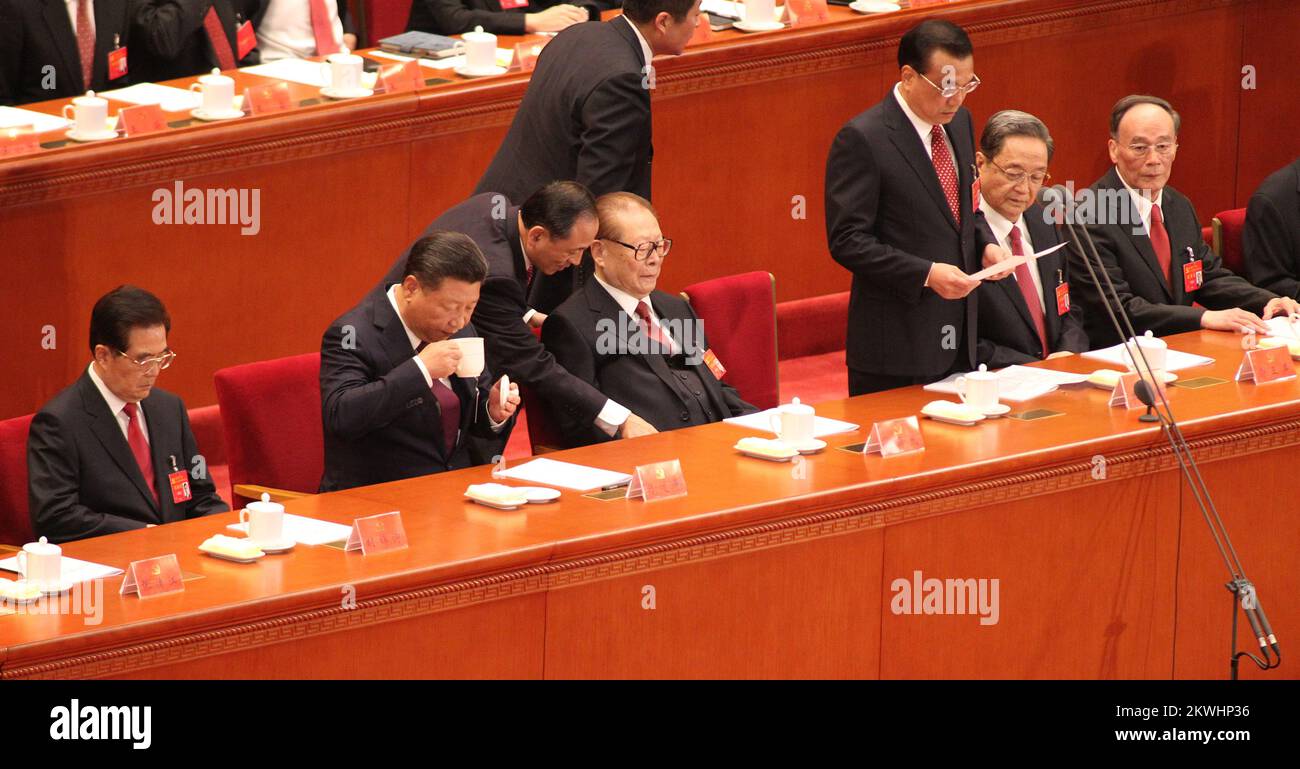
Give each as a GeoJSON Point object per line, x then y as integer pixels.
{"type": "Point", "coordinates": [1017, 176]}
{"type": "Point", "coordinates": [952, 90]}
{"type": "Point", "coordinates": [1163, 148]}
{"type": "Point", "coordinates": [150, 365]}
{"type": "Point", "coordinates": [641, 251]}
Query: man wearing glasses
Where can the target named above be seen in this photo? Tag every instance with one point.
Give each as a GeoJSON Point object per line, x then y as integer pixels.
{"type": "Point", "coordinates": [111, 452]}
{"type": "Point", "coordinates": [899, 217]}
{"type": "Point", "coordinates": [1151, 244]}
{"type": "Point", "coordinates": [640, 347]}
{"type": "Point", "coordinates": [1028, 316]}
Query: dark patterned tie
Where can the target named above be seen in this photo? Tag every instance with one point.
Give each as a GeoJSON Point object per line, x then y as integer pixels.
{"type": "Point", "coordinates": [946, 171]}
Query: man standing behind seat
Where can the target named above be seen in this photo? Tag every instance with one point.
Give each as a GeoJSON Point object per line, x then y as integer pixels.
{"type": "Point", "coordinates": [1150, 243]}
{"type": "Point", "coordinates": [55, 49]}
{"type": "Point", "coordinates": [664, 370]}
{"type": "Point", "coordinates": [391, 405]}
{"type": "Point", "coordinates": [111, 452]}
{"type": "Point", "coordinates": [1020, 318]}
{"type": "Point", "coordinates": [179, 38]}
{"type": "Point", "coordinates": [547, 234]}
{"type": "Point", "coordinates": [898, 216]}
{"type": "Point", "coordinates": [1270, 244]}
{"type": "Point", "coordinates": [298, 29]}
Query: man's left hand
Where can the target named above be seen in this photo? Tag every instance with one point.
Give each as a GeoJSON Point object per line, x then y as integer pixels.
{"type": "Point", "coordinates": [995, 254]}
{"type": "Point", "coordinates": [1282, 305]}
{"type": "Point", "coordinates": [498, 412]}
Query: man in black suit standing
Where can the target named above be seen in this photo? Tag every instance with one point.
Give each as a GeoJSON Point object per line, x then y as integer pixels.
{"type": "Point", "coordinates": [1270, 243]}
{"type": "Point", "coordinates": [545, 235]}
{"type": "Point", "coordinates": [391, 405]}
{"type": "Point", "coordinates": [111, 452]}
{"type": "Point", "coordinates": [642, 347]}
{"type": "Point", "coordinates": [1028, 316]}
{"type": "Point", "coordinates": [53, 49]}
{"type": "Point", "coordinates": [898, 216]}
{"type": "Point", "coordinates": [179, 38]}
{"type": "Point", "coordinates": [1150, 243]}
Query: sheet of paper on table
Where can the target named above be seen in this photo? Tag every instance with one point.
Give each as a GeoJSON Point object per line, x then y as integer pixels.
{"type": "Point", "coordinates": [762, 421]}
{"type": "Point", "coordinates": [12, 117]}
{"type": "Point", "coordinates": [294, 70]}
{"type": "Point", "coordinates": [306, 531]}
{"type": "Point", "coordinates": [1017, 383]}
{"type": "Point", "coordinates": [168, 98]}
{"type": "Point", "coordinates": [1174, 360]}
{"type": "Point", "coordinates": [71, 569]}
{"type": "Point", "coordinates": [504, 57]}
{"type": "Point", "coordinates": [565, 474]}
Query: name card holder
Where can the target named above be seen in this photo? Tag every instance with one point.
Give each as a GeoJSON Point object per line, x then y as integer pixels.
{"type": "Point", "coordinates": [141, 120]}
{"type": "Point", "coordinates": [1266, 365]}
{"type": "Point", "coordinates": [657, 480]}
{"type": "Point", "coordinates": [895, 436]}
{"type": "Point", "coordinates": [376, 534]}
{"type": "Point", "coordinates": [153, 577]}
{"type": "Point", "coordinates": [1124, 395]}
{"type": "Point", "coordinates": [805, 12]}
{"type": "Point", "coordinates": [401, 77]}
{"type": "Point", "coordinates": [19, 140]}
{"type": "Point", "coordinates": [525, 58]}
{"type": "Point", "coordinates": [267, 99]}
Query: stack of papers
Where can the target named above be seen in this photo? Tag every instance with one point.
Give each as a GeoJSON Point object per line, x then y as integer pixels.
{"type": "Point", "coordinates": [168, 98]}
{"type": "Point", "coordinates": [565, 474]}
{"type": "Point", "coordinates": [12, 117]}
{"type": "Point", "coordinates": [307, 531]}
{"type": "Point", "coordinates": [1174, 360]}
{"type": "Point", "coordinates": [762, 421]}
{"type": "Point", "coordinates": [1017, 383]}
{"type": "Point", "coordinates": [71, 569]}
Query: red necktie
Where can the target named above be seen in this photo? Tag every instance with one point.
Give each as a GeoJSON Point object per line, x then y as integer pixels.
{"type": "Point", "coordinates": [944, 168]}
{"type": "Point", "coordinates": [85, 43]}
{"type": "Point", "coordinates": [139, 446]}
{"type": "Point", "coordinates": [651, 330]}
{"type": "Point", "coordinates": [1026, 282]}
{"type": "Point", "coordinates": [449, 405]}
{"type": "Point", "coordinates": [217, 36]}
{"type": "Point", "coordinates": [1160, 241]}
{"type": "Point", "coordinates": [531, 270]}
{"type": "Point", "coordinates": [323, 28]}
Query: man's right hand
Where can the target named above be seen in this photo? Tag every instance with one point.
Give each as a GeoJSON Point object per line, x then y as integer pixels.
{"type": "Point", "coordinates": [949, 282]}
{"type": "Point", "coordinates": [635, 427]}
{"type": "Point", "coordinates": [441, 358]}
{"type": "Point", "coordinates": [554, 19]}
{"type": "Point", "coordinates": [1236, 319]}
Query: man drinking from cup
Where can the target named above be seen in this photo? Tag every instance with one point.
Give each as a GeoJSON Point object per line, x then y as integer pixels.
{"type": "Point", "coordinates": [404, 391]}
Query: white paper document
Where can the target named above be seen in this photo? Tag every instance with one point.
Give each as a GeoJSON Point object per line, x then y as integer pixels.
{"type": "Point", "coordinates": [12, 117]}
{"type": "Point", "coordinates": [168, 98]}
{"type": "Point", "coordinates": [1283, 325]}
{"type": "Point", "coordinates": [1014, 262]}
{"type": "Point", "coordinates": [1017, 383]}
{"type": "Point", "coordinates": [762, 421]}
{"type": "Point", "coordinates": [306, 531]}
{"type": "Point", "coordinates": [504, 57]}
{"type": "Point", "coordinates": [565, 474]}
{"type": "Point", "coordinates": [1174, 360]}
{"type": "Point", "coordinates": [294, 70]}
{"type": "Point", "coordinates": [733, 10]}
{"type": "Point", "coordinates": [71, 569]}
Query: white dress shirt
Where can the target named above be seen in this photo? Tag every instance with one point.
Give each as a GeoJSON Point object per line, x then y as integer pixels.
{"type": "Point", "coordinates": [628, 303]}
{"type": "Point", "coordinates": [924, 129]}
{"type": "Point", "coordinates": [286, 31]}
{"type": "Point", "coordinates": [1143, 201]}
{"type": "Point", "coordinates": [1001, 227]}
{"type": "Point", "coordinates": [116, 404]}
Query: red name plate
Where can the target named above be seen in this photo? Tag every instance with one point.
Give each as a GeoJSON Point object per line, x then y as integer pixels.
{"type": "Point", "coordinates": [144, 119]}
{"type": "Point", "coordinates": [267, 99]}
{"type": "Point", "coordinates": [895, 436]}
{"type": "Point", "coordinates": [401, 77]}
{"type": "Point", "coordinates": [19, 140]}
{"type": "Point", "coordinates": [658, 480]}
{"type": "Point", "coordinates": [377, 534]}
{"type": "Point", "coordinates": [805, 12]}
{"type": "Point", "coordinates": [153, 576]}
{"type": "Point", "coordinates": [1266, 365]}
{"type": "Point", "coordinates": [525, 58]}
{"type": "Point", "coordinates": [1124, 395]}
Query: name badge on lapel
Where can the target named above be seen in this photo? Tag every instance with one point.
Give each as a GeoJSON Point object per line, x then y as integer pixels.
{"type": "Point", "coordinates": [245, 38]}
{"type": "Point", "coordinates": [1193, 278]}
{"type": "Point", "coordinates": [1062, 295]}
{"type": "Point", "coordinates": [117, 59]}
{"type": "Point", "coordinates": [180, 483]}
{"type": "Point", "coordinates": [510, 5]}
{"type": "Point", "coordinates": [714, 364]}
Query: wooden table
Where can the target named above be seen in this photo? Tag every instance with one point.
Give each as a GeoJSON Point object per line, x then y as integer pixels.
{"type": "Point", "coordinates": [742, 129]}
{"type": "Point", "coordinates": [763, 569]}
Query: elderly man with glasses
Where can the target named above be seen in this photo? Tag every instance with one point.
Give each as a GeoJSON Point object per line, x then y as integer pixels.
{"type": "Point", "coordinates": [1150, 243]}
{"type": "Point", "coordinates": [641, 347]}
{"type": "Point", "coordinates": [112, 452]}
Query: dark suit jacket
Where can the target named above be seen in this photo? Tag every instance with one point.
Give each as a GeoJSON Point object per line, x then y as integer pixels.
{"type": "Point", "coordinates": [381, 421]}
{"type": "Point", "coordinates": [1150, 300]}
{"type": "Point", "coordinates": [173, 42]}
{"type": "Point", "coordinates": [452, 17]}
{"type": "Point", "coordinates": [887, 220]}
{"type": "Point", "coordinates": [37, 33]}
{"type": "Point", "coordinates": [512, 348]}
{"type": "Point", "coordinates": [83, 480]}
{"type": "Point", "coordinates": [1006, 332]}
{"type": "Point", "coordinates": [642, 382]}
{"type": "Point", "coordinates": [1271, 241]}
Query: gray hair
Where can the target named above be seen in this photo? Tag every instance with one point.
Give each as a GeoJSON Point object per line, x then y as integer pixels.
{"type": "Point", "coordinates": [1132, 100]}
{"type": "Point", "coordinates": [1012, 122]}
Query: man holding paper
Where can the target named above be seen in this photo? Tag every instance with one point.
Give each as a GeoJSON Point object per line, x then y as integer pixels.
{"type": "Point", "coordinates": [1149, 241]}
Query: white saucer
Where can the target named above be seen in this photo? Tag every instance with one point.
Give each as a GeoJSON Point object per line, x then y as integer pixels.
{"type": "Point", "coordinates": [811, 446]}
{"type": "Point", "coordinates": [998, 410]}
{"type": "Point", "coordinates": [283, 546]}
{"type": "Point", "coordinates": [465, 71]}
{"type": "Point", "coordinates": [768, 457]}
{"type": "Point", "coordinates": [108, 133]}
{"type": "Point", "coordinates": [354, 93]}
{"type": "Point", "coordinates": [874, 6]}
{"type": "Point", "coordinates": [64, 586]}
{"type": "Point", "coordinates": [232, 558]}
{"type": "Point", "coordinates": [492, 505]}
{"type": "Point", "coordinates": [538, 495]}
{"type": "Point", "coordinates": [767, 26]}
{"type": "Point", "coordinates": [199, 113]}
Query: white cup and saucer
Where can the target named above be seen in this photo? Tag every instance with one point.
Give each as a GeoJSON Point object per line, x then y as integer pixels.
{"type": "Point", "coordinates": [218, 93]}
{"type": "Point", "coordinates": [265, 521]}
{"type": "Point", "coordinates": [760, 16]}
{"type": "Point", "coordinates": [89, 119]}
{"type": "Point", "coordinates": [480, 51]}
{"type": "Point", "coordinates": [874, 6]}
{"type": "Point", "coordinates": [343, 73]}
{"type": "Point", "coordinates": [979, 389]}
{"type": "Point", "coordinates": [41, 564]}
{"type": "Point", "coordinates": [795, 424]}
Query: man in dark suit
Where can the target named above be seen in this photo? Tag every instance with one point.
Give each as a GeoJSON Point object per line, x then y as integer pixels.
{"type": "Point", "coordinates": [111, 452]}
{"type": "Point", "coordinates": [1028, 316]}
{"type": "Point", "coordinates": [501, 17]}
{"type": "Point", "coordinates": [1270, 243]}
{"type": "Point", "coordinates": [641, 347]}
{"type": "Point", "coordinates": [1150, 243]}
{"type": "Point", "coordinates": [549, 233]}
{"type": "Point", "coordinates": [180, 38]}
{"type": "Point", "coordinates": [391, 406]}
{"type": "Point", "coordinates": [41, 52]}
{"type": "Point", "coordinates": [898, 216]}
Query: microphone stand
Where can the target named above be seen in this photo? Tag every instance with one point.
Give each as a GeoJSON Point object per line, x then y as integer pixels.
{"type": "Point", "coordinates": [1242, 589]}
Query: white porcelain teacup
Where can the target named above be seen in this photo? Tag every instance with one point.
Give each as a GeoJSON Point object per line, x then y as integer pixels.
{"type": "Point", "coordinates": [89, 114]}
{"type": "Point", "coordinates": [218, 92]}
{"type": "Point", "coordinates": [979, 388]}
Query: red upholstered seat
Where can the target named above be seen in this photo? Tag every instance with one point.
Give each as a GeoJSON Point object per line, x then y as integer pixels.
{"type": "Point", "coordinates": [543, 431]}
{"type": "Point", "coordinates": [384, 18]}
{"type": "Point", "coordinates": [15, 523]}
{"type": "Point", "coordinates": [812, 326]}
{"type": "Point", "coordinates": [271, 413]}
{"type": "Point", "coordinates": [205, 423]}
{"type": "Point", "coordinates": [739, 314]}
{"type": "Point", "coordinates": [1227, 238]}
{"type": "Point", "coordinates": [1207, 234]}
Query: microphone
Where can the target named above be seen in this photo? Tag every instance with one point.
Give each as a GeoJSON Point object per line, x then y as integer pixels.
{"type": "Point", "coordinates": [1143, 392]}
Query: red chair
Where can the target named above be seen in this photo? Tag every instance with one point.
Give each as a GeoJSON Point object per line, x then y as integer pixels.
{"type": "Point", "coordinates": [739, 314]}
{"type": "Point", "coordinates": [205, 422]}
{"type": "Point", "coordinates": [271, 414]}
{"type": "Point", "coordinates": [15, 522]}
{"type": "Point", "coordinates": [1207, 234]}
{"type": "Point", "coordinates": [1227, 227]}
{"type": "Point", "coordinates": [382, 18]}
{"type": "Point", "coordinates": [543, 431]}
